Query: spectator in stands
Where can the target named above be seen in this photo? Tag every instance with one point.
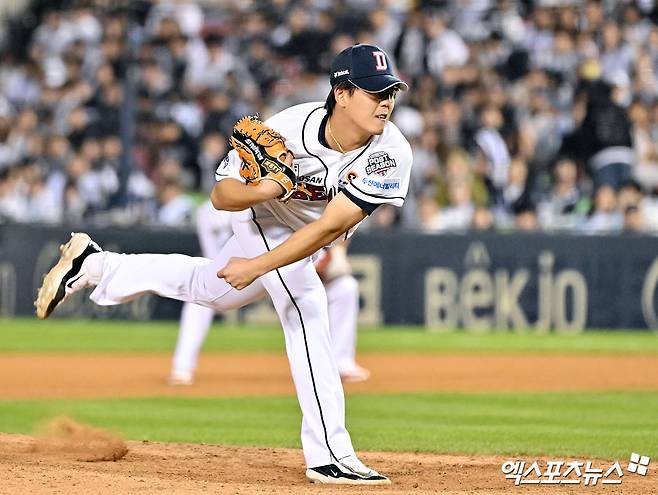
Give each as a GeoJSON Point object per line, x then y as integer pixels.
{"type": "Point", "coordinates": [633, 219]}
{"type": "Point", "coordinates": [445, 47]}
{"type": "Point", "coordinates": [540, 32]}
{"type": "Point", "coordinates": [424, 145]}
{"type": "Point", "coordinates": [87, 182]}
{"type": "Point", "coordinates": [188, 14]}
{"type": "Point", "coordinates": [221, 112]}
{"type": "Point", "coordinates": [9, 207]}
{"type": "Point", "coordinates": [482, 219]}
{"type": "Point", "coordinates": [605, 137]}
{"type": "Point", "coordinates": [426, 164]}
{"type": "Point", "coordinates": [21, 139]}
{"type": "Point", "coordinates": [410, 46]}
{"type": "Point", "coordinates": [565, 206]}
{"type": "Point", "coordinates": [215, 70]}
{"type": "Point", "coordinates": [386, 29]}
{"type": "Point", "coordinates": [645, 80]}
{"type": "Point", "coordinates": [172, 141]}
{"type": "Point", "coordinates": [605, 217]}
{"type": "Point", "coordinates": [54, 34]}
{"type": "Point", "coordinates": [458, 168]}
{"type": "Point", "coordinates": [7, 152]}
{"type": "Point", "coordinates": [515, 197]}
{"type": "Point", "coordinates": [449, 123]}
{"type": "Point", "coordinates": [645, 168]}
{"type": "Point", "coordinates": [175, 209]}
{"type": "Point", "coordinates": [74, 205]}
{"type": "Point", "coordinates": [638, 209]}
{"type": "Point", "coordinates": [636, 27]}
{"type": "Point", "coordinates": [525, 218]}
{"type": "Point", "coordinates": [213, 145]}
{"type": "Point", "coordinates": [458, 215]}
{"type": "Point", "coordinates": [616, 54]}
{"type": "Point", "coordinates": [492, 155]}
{"type": "Point", "coordinates": [540, 127]}
{"type": "Point", "coordinates": [39, 205]}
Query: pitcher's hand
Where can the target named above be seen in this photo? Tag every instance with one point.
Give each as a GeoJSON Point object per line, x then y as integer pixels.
{"type": "Point", "coordinates": [239, 272]}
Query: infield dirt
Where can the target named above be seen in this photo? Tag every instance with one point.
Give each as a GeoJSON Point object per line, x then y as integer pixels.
{"type": "Point", "coordinates": [151, 467]}
{"type": "Point", "coordinates": [143, 375]}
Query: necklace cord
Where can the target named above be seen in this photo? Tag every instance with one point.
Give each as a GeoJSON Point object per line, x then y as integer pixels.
{"type": "Point", "coordinates": [334, 138]}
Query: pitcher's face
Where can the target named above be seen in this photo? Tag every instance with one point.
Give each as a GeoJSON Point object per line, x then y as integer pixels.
{"type": "Point", "coordinates": [370, 111]}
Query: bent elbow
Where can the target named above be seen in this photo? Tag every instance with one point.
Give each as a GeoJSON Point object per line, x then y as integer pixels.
{"type": "Point", "coordinates": [220, 203]}
{"type": "Point", "coordinates": [226, 196]}
{"type": "Point", "coordinates": [216, 201]}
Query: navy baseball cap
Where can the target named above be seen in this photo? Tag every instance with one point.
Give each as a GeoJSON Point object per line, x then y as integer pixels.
{"type": "Point", "coordinates": [367, 67]}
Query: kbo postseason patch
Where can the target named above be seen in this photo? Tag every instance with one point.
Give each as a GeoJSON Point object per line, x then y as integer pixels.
{"type": "Point", "coordinates": [380, 163]}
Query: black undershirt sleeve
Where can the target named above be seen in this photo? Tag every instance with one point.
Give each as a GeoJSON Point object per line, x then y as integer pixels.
{"type": "Point", "coordinates": [364, 205]}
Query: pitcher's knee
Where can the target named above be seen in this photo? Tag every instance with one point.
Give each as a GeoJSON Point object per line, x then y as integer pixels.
{"type": "Point", "coordinates": [301, 311]}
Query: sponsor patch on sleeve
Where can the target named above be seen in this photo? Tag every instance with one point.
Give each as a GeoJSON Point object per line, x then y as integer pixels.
{"type": "Point", "coordinates": [380, 163]}
{"type": "Point", "coordinates": [382, 185]}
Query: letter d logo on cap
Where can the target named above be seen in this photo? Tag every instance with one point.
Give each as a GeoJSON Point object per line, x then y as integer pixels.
{"type": "Point", "coordinates": [380, 60]}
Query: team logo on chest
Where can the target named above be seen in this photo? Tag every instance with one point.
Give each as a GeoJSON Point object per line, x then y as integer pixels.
{"type": "Point", "coordinates": [311, 179]}
{"type": "Point", "coordinates": [380, 163]}
{"type": "Point", "coordinates": [310, 192]}
{"type": "Point", "coordinates": [310, 188]}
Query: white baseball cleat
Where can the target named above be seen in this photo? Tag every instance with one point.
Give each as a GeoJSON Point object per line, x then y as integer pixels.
{"type": "Point", "coordinates": [348, 471]}
{"type": "Point", "coordinates": [181, 377]}
{"type": "Point", "coordinates": [67, 276]}
{"type": "Point", "coordinates": [355, 374]}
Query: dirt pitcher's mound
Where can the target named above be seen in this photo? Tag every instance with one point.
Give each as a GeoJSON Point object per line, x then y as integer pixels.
{"type": "Point", "coordinates": [66, 438]}
{"type": "Point", "coordinates": [166, 469]}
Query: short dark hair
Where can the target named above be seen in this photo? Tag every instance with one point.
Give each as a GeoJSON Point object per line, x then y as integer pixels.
{"type": "Point", "coordinates": [330, 104]}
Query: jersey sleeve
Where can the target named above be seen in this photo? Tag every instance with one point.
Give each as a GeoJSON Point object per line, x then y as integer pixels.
{"type": "Point", "coordinates": [381, 176]}
{"type": "Point", "coordinates": [229, 167]}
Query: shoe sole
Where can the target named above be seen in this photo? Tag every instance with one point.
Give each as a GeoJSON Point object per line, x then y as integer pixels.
{"type": "Point", "coordinates": [316, 477]}
{"type": "Point", "coordinates": [178, 382]}
{"type": "Point", "coordinates": [52, 291]}
{"type": "Point", "coordinates": [354, 377]}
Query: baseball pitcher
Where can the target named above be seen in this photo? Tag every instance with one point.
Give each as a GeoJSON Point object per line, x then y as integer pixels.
{"type": "Point", "coordinates": [300, 181]}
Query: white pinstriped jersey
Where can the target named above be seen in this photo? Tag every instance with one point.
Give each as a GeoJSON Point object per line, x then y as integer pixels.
{"type": "Point", "coordinates": [377, 173]}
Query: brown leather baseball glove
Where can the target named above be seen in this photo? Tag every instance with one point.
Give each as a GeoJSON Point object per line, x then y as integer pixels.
{"type": "Point", "coordinates": [263, 152]}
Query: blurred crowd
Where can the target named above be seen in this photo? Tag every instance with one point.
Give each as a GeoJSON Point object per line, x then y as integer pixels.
{"type": "Point", "coordinates": [522, 114]}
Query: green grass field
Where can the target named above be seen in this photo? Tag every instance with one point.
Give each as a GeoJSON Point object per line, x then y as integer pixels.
{"type": "Point", "coordinates": [602, 425]}
{"type": "Point", "coordinates": [31, 335]}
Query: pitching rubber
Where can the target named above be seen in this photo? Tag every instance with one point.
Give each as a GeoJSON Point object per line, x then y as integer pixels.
{"type": "Point", "coordinates": [52, 290]}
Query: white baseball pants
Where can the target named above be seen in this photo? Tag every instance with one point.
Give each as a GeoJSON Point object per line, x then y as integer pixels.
{"type": "Point", "coordinates": [299, 299]}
